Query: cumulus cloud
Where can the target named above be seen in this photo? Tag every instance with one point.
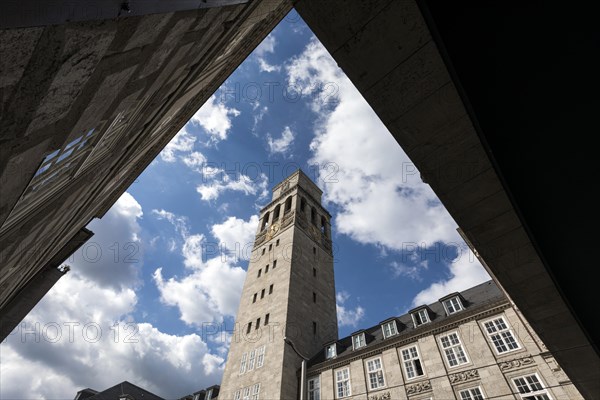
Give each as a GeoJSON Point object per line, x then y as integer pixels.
{"type": "Point", "coordinates": [236, 235]}
{"type": "Point", "coordinates": [211, 288]}
{"type": "Point", "coordinates": [194, 160]}
{"type": "Point", "coordinates": [215, 118]}
{"type": "Point", "coordinates": [218, 182]}
{"type": "Point", "coordinates": [465, 272]}
{"type": "Point", "coordinates": [113, 256]}
{"type": "Point", "coordinates": [86, 320]}
{"type": "Point", "coordinates": [181, 143]}
{"type": "Point", "coordinates": [267, 46]}
{"type": "Point", "coordinates": [347, 316]}
{"type": "Point", "coordinates": [282, 144]}
{"type": "Point", "coordinates": [380, 196]}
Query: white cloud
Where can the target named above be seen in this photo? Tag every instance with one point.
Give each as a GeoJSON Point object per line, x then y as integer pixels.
{"type": "Point", "coordinates": [181, 143]}
{"type": "Point", "coordinates": [258, 117]}
{"type": "Point", "coordinates": [113, 256]}
{"type": "Point", "coordinates": [236, 235]}
{"type": "Point", "coordinates": [264, 66]}
{"type": "Point", "coordinates": [180, 223]}
{"type": "Point", "coordinates": [215, 118]}
{"type": "Point", "coordinates": [220, 182]}
{"type": "Point", "coordinates": [409, 271]}
{"type": "Point", "coordinates": [84, 322]}
{"type": "Point", "coordinates": [266, 46]}
{"type": "Point", "coordinates": [212, 287]}
{"type": "Point", "coordinates": [282, 144]}
{"type": "Point", "coordinates": [194, 160]}
{"type": "Point", "coordinates": [347, 316]}
{"type": "Point", "coordinates": [380, 195]}
{"type": "Point", "coordinates": [466, 272]}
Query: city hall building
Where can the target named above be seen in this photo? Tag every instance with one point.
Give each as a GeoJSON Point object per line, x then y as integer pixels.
{"type": "Point", "coordinates": [471, 345]}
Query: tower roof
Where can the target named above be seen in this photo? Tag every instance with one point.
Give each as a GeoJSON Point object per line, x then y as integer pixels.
{"type": "Point", "coordinates": [298, 178]}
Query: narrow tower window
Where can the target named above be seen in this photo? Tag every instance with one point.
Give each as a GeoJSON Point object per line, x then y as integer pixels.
{"type": "Point", "coordinates": [276, 213]}
{"type": "Point", "coordinates": [271, 289]}
{"type": "Point", "coordinates": [267, 268]}
{"type": "Point", "coordinates": [249, 328]}
{"type": "Point", "coordinates": [274, 263]}
{"type": "Point", "coordinates": [315, 272]}
{"type": "Point", "coordinates": [314, 328]}
{"type": "Point", "coordinates": [302, 204]}
{"type": "Point", "coordinates": [265, 222]}
{"type": "Point", "coordinates": [262, 294]}
{"type": "Point", "coordinates": [267, 319]}
{"type": "Point", "coordinates": [313, 216]}
{"type": "Point", "coordinates": [288, 204]}
{"type": "Point", "coordinates": [259, 273]}
{"type": "Point", "coordinates": [257, 323]}
{"type": "Point", "coordinates": [314, 297]}
{"type": "Point", "coordinates": [254, 298]}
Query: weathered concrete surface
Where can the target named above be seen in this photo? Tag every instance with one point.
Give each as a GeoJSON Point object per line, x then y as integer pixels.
{"type": "Point", "coordinates": [386, 48]}
{"type": "Point", "coordinates": [131, 82]}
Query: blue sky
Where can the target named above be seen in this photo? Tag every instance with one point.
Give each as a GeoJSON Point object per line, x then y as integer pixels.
{"type": "Point", "coordinates": [143, 294]}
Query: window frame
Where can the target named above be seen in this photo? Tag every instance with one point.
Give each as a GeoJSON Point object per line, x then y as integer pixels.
{"type": "Point", "coordinates": [251, 360]}
{"type": "Point", "coordinates": [539, 392]}
{"type": "Point", "coordinates": [243, 364]}
{"type": "Point", "coordinates": [452, 347]}
{"type": "Point", "coordinates": [380, 371]}
{"type": "Point", "coordinates": [362, 343]}
{"type": "Point", "coordinates": [246, 393]}
{"type": "Point", "coordinates": [418, 313]}
{"type": "Point", "coordinates": [469, 390]}
{"type": "Point", "coordinates": [383, 325]}
{"type": "Point", "coordinates": [260, 356]}
{"type": "Point", "coordinates": [333, 353]}
{"type": "Point", "coordinates": [209, 393]}
{"type": "Point", "coordinates": [498, 332]}
{"type": "Point", "coordinates": [412, 361]}
{"type": "Point", "coordinates": [314, 393]}
{"type": "Point", "coordinates": [255, 391]}
{"type": "Point", "coordinates": [348, 387]}
{"type": "Point", "coordinates": [461, 307]}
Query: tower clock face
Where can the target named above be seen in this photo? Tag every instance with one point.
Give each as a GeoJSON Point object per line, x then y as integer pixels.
{"type": "Point", "coordinates": [273, 229]}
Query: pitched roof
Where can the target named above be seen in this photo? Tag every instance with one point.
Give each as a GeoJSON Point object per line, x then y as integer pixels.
{"type": "Point", "coordinates": [475, 297]}
{"type": "Point", "coordinates": [125, 387]}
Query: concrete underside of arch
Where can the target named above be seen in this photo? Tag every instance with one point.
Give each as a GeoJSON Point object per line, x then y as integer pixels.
{"type": "Point", "coordinates": [471, 94]}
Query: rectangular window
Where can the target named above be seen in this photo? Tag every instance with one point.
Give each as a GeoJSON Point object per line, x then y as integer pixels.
{"type": "Point", "coordinates": [314, 297]}
{"type": "Point", "coordinates": [358, 341]}
{"type": "Point", "coordinates": [277, 243]}
{"type": "Point", "coordinates": [531, 388]}
{"type": "Point", "coordinates": [315, 272]}
{"type": "Point", "coordinates": [271, 289]}
{"type": "Point", "coordinates": [412, 362]}
{"type": "Point", "coordinates": [255, 391]}
{"type": "Point", "coordinates": [259, 272]}
{"type": "Point", "coordinates": [238, 395]}
{"type": "Point", "coordinates": [246, 393]}
{"type": "Point", "coordinates": [243, 364]}
{"type": "Point", "coordinates": [314, 328]}
{"type": "Point", "coordinates": [263, 253]}
{"type": "Point", "coordinates": [453, 350]}
{"type": "Point", "coordinates": [314, 388]}
{"type": "Point", "coordinates": [262, 294]}
{"type": "Point", "coordinates": [257, 323]}
{"type": "Point", "coordinates": [330, 351]}
{"type": "Point", "coordinates": [453, 305]}
{"type": "Point", "coordinates": [251, 360]}
{"type": "Point", "coordinates": [267, 319]}
{"type": "Point", "coordinates": [260, 359]}
{"type": "Point", "coordinates": [502, 337]}
{"type": "Point", "coordinates": [314, 250]}
{"type": "Point", "coordinates": [209, 394]}
{"type": "Point", "coordinates": [270, 246]}
{"type": "Point", "coordinates": [274, 263]}
{"type": "Point", "coordinates": [249, 328]}
{"type": "Point", "coordinates": [342, 382]}
{"type": "Point", "coordinates": [375, 370]}
{"type": "Point", "coordinates": [254, 297]}
{"type": "Point", "coordinates": [389, 329]}
{"type": "Point", "coordinates": [421, 317]}
{"type": "Point", "coordinates": [267, 268]}
{"type": "Point", "coordinates": [471, 394]}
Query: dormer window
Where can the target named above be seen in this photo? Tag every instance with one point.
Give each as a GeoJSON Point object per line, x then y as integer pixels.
{"type": "Point", "coordinates": [421, 317]}
{"type": "Point", "coordinates": [389, 329]}
{"type": "Point", "coordinates": [330, 351]}
{"type": "Point", "coordinates": [452, 305]}
{"type": "Point", "coordinates": [209, 394]}
{"type": "Point", "coordinates": [197, 396]}
{"type": "Point", "coordinates": [358, 341]}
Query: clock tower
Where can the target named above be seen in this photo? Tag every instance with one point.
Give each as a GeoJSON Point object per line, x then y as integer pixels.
{"type": "Point", "coordinates": [289, 292]}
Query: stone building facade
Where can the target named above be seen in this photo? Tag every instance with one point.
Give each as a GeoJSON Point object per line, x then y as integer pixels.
{"type": "Point", "coordinates": [472, 345]}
